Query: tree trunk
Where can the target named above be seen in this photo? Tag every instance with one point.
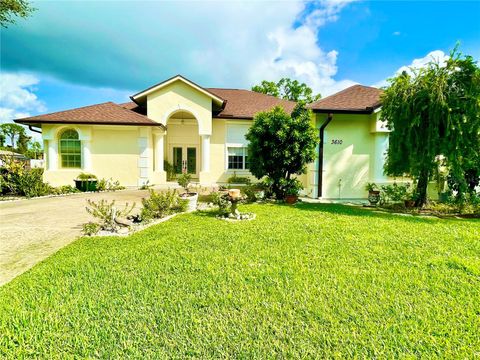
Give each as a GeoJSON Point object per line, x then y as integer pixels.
{"type": "Point", "coordinates": [422, 189]}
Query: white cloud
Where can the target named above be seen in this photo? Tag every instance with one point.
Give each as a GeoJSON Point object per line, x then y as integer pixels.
{"type": "Point", "coordinates": [17, 97]}
{"type": "Point", "coordinates": [396, 33]}
{"type": "Point", "coordinates": [437, 56]}
{"type": "Point", "coordinates": [297, 54]}
{"type": "Point", "coordinates": [231, 44]}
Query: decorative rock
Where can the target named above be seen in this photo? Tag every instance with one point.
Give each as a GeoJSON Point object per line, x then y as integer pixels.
{"type": "Point", "coordinates": [123, 231]}
{"type": "Point", "coordinates": [123, 222]}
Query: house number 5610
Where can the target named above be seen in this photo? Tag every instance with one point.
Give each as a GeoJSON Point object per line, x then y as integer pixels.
{"type": "Point", "coordinates": [337, 142]}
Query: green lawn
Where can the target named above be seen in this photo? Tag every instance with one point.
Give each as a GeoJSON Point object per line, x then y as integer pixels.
{"type": "Point", "coordinates": [306, 281]}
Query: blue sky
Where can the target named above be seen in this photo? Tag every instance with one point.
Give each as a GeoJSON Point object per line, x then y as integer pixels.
{"type": "Point", "coordinates": [74, 53]}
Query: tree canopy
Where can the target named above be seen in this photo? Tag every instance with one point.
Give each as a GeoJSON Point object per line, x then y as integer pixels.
{"type": "Point", "coordinates": [281, 145]}
{"type": "Point", "coordinates": [287, 89]}
{"type": "Point", "coordinates": [434, 111]}
{"type": "Point", "coordinates": [13, 132]}
{"type": "Point", "coordinates": [11, 9]}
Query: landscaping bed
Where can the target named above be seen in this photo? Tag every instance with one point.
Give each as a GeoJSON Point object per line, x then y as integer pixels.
{"type": "Point", "coordinates": [306, 280]}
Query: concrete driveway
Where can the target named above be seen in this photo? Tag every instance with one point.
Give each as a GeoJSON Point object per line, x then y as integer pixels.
{"type": "Point", "coordinates": [31, 230]}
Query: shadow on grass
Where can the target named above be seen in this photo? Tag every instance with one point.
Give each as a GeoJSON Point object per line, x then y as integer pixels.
{"type": "Point", "coordinates": [348, 210]}
{"type": "Point", "coordinates": [206, 213]}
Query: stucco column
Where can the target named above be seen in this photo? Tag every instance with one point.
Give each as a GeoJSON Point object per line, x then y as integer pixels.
{"type": "Point", "coordinates": [86, 156]}
{"type": "Point", "coordinates": [205, 153]}
{"type": "Point", "coordinates": [159, 156]}
{"type": "Point", "coordinates": [52, 155]}
{"type": "Point", "coordinates": [381, 147]}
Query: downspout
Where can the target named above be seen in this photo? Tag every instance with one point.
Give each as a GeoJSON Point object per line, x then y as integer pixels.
{"type": "Point", "coordinates": [320, 154]}
{"type": "Point", "coordinates": [32, 129]}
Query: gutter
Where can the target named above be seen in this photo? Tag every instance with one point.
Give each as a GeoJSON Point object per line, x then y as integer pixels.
{"type": "Point", "coordinates": [320, 154]}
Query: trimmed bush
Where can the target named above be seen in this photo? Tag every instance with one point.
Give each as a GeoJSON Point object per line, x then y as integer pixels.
{"type": "Point", "coordinates": [161, 204]}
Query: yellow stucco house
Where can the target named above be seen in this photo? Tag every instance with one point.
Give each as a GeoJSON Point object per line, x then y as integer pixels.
{"type": "Point", "coordinates": [202, 130]}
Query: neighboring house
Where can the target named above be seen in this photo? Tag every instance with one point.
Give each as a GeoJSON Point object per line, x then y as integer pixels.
{"type": "Point", "coordinates": [202, 131]}
{"type": "Point", "coordinates": [6, 155]}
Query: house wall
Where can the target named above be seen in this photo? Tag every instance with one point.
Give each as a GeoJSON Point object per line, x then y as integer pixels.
{"type": "Point", "coordinates": [114, 153]}
{"type": "Point", "coordinates": [354, 148]}
{"type": "Point", "coordinates": [178, 96]}
{"type": "Point", "coordinates": [353, 153]}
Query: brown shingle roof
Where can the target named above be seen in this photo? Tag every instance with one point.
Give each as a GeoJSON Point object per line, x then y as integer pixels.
{"type": "Point", "coordinates": [106, 113]}
{"type": "Point", "coordinates": [240, 104]}
{"type": "Point", "coordinates": [355, 99]}
{"type": "Point", "coordinates": [245, 104]}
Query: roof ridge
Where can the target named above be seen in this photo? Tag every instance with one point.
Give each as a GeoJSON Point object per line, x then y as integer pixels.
{"type": "Point", "coordinates": [255, 92]}
{"type": "Point", "coordinates": [223, 88]}
{"type": "Point", "coordinates": [334, 94]}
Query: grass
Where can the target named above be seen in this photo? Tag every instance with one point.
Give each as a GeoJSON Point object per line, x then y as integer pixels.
{"type": "Point", "coordinates": [325, 281]}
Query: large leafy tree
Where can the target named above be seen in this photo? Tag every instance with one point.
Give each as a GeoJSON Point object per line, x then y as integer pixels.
{"type": "Point", "coordinates": [12, 9]}
{"type": "Point", "coordinates": [434, 111]}
{"type": "Point", "coordinates": [22, 143]}
{"type": "Point", "coordinates": [13, 132]}
{"type": "Point", "coordinates": [287, 89]}
{"type": "Point", "coordinates": [281, 145]}
{"type": "Point", "coordinates": [35, 150]}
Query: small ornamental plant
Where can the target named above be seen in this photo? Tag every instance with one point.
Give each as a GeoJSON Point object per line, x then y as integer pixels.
{"type": "Point", "coordinates": [370, 187]}
{"type": "Point", "coordinates": [184, 180]}
{"type": "Point", "coordinates": [109, 217]}
{"type": "Point", "coordinates": [86, 176]}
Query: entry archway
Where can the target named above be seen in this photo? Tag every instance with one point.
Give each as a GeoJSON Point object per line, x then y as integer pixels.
{"type": "Point", "coordinates": [183, 143]}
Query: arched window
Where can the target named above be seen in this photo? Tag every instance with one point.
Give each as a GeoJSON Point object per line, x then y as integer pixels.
{"type": "Point", "coordinates": [70, 149]}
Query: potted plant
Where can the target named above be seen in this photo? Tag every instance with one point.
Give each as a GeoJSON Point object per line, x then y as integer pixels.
{"type": "Point", "coordinates": [373, 193]}
{"type": "Point", "coordinates": [192, 197]}
{"type": "Point", "coordinates": [292, 189]}
{"type": "Point", "coordinates": [409, 203]}
{"type": "Point", "coordinates": [410, 198]}
{"type": "Point", "coordinates": [86, 182]}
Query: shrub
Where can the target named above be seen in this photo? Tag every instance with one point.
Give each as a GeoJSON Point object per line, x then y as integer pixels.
{"type": "Point", "coordinates": [11, 172]}
{"type": "Point", "coordinates": [250, 193]}
{"type": "Point", "coordinates": [30, 183]}
{"type": "Point", "coordinates": [109, 185]}
{"type": "Point", "coordinates": [220, 199]}
{"type": "Point", "coordinates": [161, 204]}
{"type": "Point", "coordinates": [281, 145]}
{"type": "Point", "coordinates": [65, 189]}
{"type": "Point", "coordinates": [234, 179]}
{"type": "Point", "coordinates": [106, 213]}
{"type": "Point", "coordinates": [394, 193]}
{"type": "Point", "coordinates": [170, 170]}
{"type": "Point", "coordinates": [90, 229]}
{"type": "Point", "coordinates": [18, 180]}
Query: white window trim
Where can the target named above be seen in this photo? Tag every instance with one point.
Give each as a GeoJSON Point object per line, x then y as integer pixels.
{"type": "Point", "coordinates": [235, 145]}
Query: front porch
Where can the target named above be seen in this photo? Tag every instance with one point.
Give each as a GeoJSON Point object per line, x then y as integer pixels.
{"type": "Point", "coordinates": [180, 148]}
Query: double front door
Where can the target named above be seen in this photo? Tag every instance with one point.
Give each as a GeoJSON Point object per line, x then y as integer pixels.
{"type": "Point", "coordinates": [185, 159]}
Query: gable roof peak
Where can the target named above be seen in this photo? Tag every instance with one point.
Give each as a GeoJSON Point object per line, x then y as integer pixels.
{"type": "Point", "coordinates": [140, 97]}
{"type": "Point", "coordinates": [354, 99]}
